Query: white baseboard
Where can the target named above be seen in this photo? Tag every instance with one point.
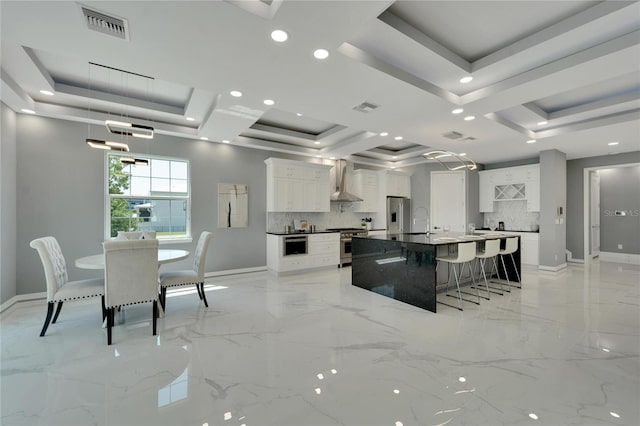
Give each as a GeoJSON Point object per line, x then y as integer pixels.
{"type": "Point", "coordinates": [571, 259]}
{"type": "Point", "coordinates": [22, 298]}
{"type": "Point", "coordinates": [553, 268]}
{"type": "Point", "coordinates": [633, 259]}
{"type": "Point", "coordinates": [235, 271]}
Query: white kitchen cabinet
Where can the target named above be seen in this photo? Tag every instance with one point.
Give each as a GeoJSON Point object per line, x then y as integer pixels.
{"type": "Point", "coordinates": [511, 183]}
{"type": "Point", "coordinates": [322, 250]}
{"type": "Point", "coordinates": [296, 186]}
{"type": "Point", "coordinates": [365, 186]}
{"type": "Point", "coordinates": [396, 184]}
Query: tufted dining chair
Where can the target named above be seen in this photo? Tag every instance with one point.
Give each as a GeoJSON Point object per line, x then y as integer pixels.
{"type": "Point", "coordinates": [59, 288]}
{"type": "Point", "coordinates": [189, 276]}
{"type": "Point", "coordinates": [130, 276]}
{"type": "Point", "coordinates": [136, 235]}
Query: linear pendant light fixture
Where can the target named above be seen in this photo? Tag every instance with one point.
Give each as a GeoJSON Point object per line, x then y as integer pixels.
{"type": "Point", "coordinates": [129, 129]}
{"type": "Point", "coordinates": [108, 145]}
{"type": "Point", "coordinates": [136, 161]}
{"type": "Point", "coordinates": [458, 162]}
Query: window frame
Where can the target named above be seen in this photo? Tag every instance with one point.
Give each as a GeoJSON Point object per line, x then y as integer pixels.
{"type": "Point", "coordinates": [107, 197]}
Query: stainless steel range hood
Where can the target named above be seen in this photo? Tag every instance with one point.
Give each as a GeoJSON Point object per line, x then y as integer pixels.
{"type": "Point", "coordinates": [341, 193]}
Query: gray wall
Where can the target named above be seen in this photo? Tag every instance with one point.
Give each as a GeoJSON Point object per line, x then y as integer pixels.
{"type": "Point", "coordinates": [60, 192]}
{"type": "Point", "coordinates": [575, 194]}
{"type": "Point", "coordinates": [615, 194]}
{"type": "Point", "coordinates": [7, 204]}
{"type": "Point", "coordinates": [553, 195]}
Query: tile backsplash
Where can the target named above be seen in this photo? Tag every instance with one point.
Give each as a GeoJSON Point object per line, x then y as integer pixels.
{"type": "Point", "coordinates": [340, 216]}
{"type": "Point", "coordinates": [514, 214]}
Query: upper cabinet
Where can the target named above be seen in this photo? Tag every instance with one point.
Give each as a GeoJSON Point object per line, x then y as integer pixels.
{"type": "Point", "coordinates": [296, 186]}
{"type": "Point", "coordinates": [512, 183]}
{"type": "Point", "coordinates": [365, 186]}
{"type": "Point", "coordinates": [396, 184]}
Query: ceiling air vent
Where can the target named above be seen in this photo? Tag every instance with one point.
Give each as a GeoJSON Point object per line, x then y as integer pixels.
{"type": "Point", "coordinates": [106, 24]}
{"type": "Point", "coordinates": [365, 107]}
{"type": "Point", "coordinates": [453, 135]}
{"type": "Point", "coordinates": [469, 138]}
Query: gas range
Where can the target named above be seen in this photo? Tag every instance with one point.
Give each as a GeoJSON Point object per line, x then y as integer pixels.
{"type": "Point", "coordinates": [345, 241]}
{"type": "Point", "coordinates": [349, 232]}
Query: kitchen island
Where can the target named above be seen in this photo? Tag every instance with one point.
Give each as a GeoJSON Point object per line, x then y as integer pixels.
{"type": "Point", "coordinates": [403, 266]}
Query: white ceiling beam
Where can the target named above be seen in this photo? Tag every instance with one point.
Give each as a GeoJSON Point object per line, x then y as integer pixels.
{"type": "Point", "coordinates": [46, 81]}
{"type": "Point", "coordinates": [357, 143]}
{"type": "Point", "coordinates": [590, 124]}
{"type": "Point", "coordinates": [531, 106]}
{"type": "Point", "coordinates": [13, 95]}
{"type": "Point", "coordinates": [595, 105]}
{"type": "Point", "coordinates": [198, 104]}
{"type": "Point", "coordinates": [510, 124]}
{"type": "Point", "coordinates": [274, 146]}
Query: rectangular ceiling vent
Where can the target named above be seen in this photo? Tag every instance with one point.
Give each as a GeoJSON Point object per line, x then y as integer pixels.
{"type": "Point", "coordinates": [453, 135]}
{"type": "Point", "coordinates": [106, 24]}
{"type": "Point", "coordinates": [365, 107]}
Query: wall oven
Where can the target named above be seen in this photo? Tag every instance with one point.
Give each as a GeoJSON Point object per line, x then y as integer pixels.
{"type": "Point", "coordinates": [345, 242]}
{"type": "Point", "coordinates": [295, 244]}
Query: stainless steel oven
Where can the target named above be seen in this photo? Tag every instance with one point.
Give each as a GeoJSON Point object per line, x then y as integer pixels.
{"type": "Point", "coordinates": [295, 244]}
{"type": "Point", "coordinates": [345, 242]}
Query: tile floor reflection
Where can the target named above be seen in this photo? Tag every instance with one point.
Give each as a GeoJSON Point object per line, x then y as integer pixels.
{"type": "Point", "coordinates": [313, 350]}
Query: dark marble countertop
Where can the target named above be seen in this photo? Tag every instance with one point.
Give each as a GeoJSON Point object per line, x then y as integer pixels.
{"type": "Point", "coordinates": [319, 231]}
{"type": "Point", "coordinates": [435, 239]}
{"type": "Point", "coordinates": [508, 230]}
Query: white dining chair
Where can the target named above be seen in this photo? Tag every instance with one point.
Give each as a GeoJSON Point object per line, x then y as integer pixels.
{"type": "Point", "coordinates": [136, 235]}
{"type": "Point", "coordinates": [59, 288]}
{"type": "Point", "coordinates": [189, 276]}
{"type": "Point", "coordinates": [131, 276]}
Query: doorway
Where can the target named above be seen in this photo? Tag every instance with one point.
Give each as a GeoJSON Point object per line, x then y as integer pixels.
{"type": "Point", "coordinates": [594, 216]}
{"type": "Point", "coordinates": [448, 208]}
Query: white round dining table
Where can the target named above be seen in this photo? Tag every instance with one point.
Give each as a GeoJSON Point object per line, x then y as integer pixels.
{"type": "Point", "coordinates": [96, 261]}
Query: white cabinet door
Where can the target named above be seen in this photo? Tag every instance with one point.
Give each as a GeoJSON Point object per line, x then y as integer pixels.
{"type": "Point", "coordinates": [486, 191]}
{"type": "Point", "coordinates": [532, 183]}
{"type": "Point", "coordinates": [398, 185]}
{"type": "Point", "coordinates": [365, 186]}
{"type": "Point", "coordinates": [294, 186]}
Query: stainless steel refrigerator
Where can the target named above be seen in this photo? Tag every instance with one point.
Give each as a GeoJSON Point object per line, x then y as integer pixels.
{"type": "Point", "coordinates": [398, 215]}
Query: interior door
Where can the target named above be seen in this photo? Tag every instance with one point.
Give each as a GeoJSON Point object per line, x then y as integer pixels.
{"type": "Point", "coordinates": [595, 213]}
{"type": "Point", "coordinates": [448, 206]}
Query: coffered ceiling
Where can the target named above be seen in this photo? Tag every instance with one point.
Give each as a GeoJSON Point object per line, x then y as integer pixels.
{"type": "Point", "coordinates": [563, 73]}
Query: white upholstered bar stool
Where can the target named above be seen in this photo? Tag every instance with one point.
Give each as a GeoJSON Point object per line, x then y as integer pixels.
{"type": "Point", "coordinates": [511, 246]}
{"type": "Point", "coordinates": [466, 253]}
{"type": "Point", "coordinates": [491, 250]}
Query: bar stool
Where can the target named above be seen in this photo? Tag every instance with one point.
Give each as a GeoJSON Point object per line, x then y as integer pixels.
{"type": "Point", "coordinates": [466, 254]}
{"type": "Point", "coordinates": [511, 247]}
{"type": "Point", "coordinates": [491, 250]}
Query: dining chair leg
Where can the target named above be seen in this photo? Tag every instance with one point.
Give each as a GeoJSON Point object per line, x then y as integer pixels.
{"type": "Point", "coordinates": [110, 313]}
{"type": "Point", "coordinates": [47, 320]}
{"type": "Point", "coordinates": [155, 315]}
{"type": "Point", "coordinates": [104, 310]}
{"type": "Point", "coordinates": [204, 297]}
{"type": "Point", "coordinates": [199, 292]}
{"type": "Point", "coordinates": [58, 309]}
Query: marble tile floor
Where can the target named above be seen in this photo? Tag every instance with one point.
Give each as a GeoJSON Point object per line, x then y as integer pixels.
{"type": "Point", "coordinates": [313, 350]}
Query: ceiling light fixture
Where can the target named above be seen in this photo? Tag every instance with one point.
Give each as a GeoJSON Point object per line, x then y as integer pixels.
{"type": "Point", "coordinates": [108, 145]}
{"type": "Point", "coordinates": [466, 79]}
{"type": "Point", "coordinates": [470, 117]}
{"type": "Point", "coordinates": [298, 114]}
{"type": "Point", "coordinates": [225, 141]}
{"type": "Point", "coordinates": [462, 163]}
{"type": "Point", "coordinates": [204, 138]}
{"type": "Point", "coordinates": [28, 111]}
{"type": "Point", "coordinates": [613, 143]}
{"type": "Point", "coordinates": [394, 156]}
{"type": "Point", "coordinates": [134, 161]}
{"type": "Point", "coordinates": [268, 102]}
{"type": "Point", "coordinates": [332, 158]}
{"type": "Point", "coordinates": [384, 134]}
{"type": "Point", "coordinates": [129, 129]}
{"type": "Point", "coordinates": [462, 154]}
{"type": "Point", "coordinates": [279, 36]}
{"type": "Point", "coordinates": [613, 414]}
{"type": "Point", "coordinates": [542, 123]}
{"type": "Point", "coordinates": [47, 92]}
{"type": "Point", "coordinates": [235, 93]}
{"type": "Point", "coordinates": [190, 119]}
{"type": "Point", "coordinates": [398, 138]}
{"type": "Point", "coordinates": [531, 141]}
{"type": "Point", "coordinates": [321, 53]}
{"type": "Point", "coordinates": [317, 142]}
{"type": "Point", "coordinates": [457, 111]}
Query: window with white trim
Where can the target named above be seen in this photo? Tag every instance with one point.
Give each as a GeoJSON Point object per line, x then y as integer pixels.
{"type": "Point", "coordinates": [154, 197]}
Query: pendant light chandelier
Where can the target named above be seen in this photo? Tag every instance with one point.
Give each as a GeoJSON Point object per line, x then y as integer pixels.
{"type": "Point", "coordinates": [457, 161]}
{"type": "Point", "coordinates": [122, 128]}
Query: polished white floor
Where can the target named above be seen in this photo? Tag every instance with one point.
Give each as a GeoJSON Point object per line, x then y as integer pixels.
{"type": "Point", "coordinates": [313, 350]}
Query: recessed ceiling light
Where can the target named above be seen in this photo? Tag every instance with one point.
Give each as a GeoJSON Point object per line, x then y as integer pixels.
{"type": "Point", "coordinates": [268, 102]}
{"type": "Point", "coordinates": [470, 117]}
{"type": "Point", "coordinates": [394, 157]}
{"type": "Point", "coordinates": [533, 416]}
{"type": "Point", "coordinates": [384, 134]}
{"type": "Point", "coordinates": [317, 142]}
{"type": "Point", "coordinates": [542, 123]}
{"type": "Point", "coordinates": [191, 119]}
{"type": "Point", "coordinates": [298, 114]}
{"type": "Point", "coordinates": [462, 154]}
{"type": "Point", "coordinates": [204, 138]}
{"type": "Point", "coordinates": [462, 379]}
{"type": "Point", "coordinates": [531, 141]}
{"type": "Point", "coordinates": [321, 53]}
{"type": "Point", "coordinates": [28, 111]}
{"type": "Point", "coordinates": [225, 141]}
{"type": "Point", "coordinates": [47, 92]}
{"type": "Point", "coordinates": [610, 143]}
{"type": "Point", "coordinates": [235, 93]}
{"type": "Point", "coordinates": [616, 415]}
{"type": "Point", "coordinates": [332, 158]}
{"type": "Point", "coordinates": [457, 111]}
{"type": "Point", "coordinates": [318, 156]}
{"type": "Point", "coordinates": [279, 36]}
{"type": "Point", "coordinates": [466, 79]}
{"type": "Point", "coordinates": [392, 168]}
{"type": "Point", "coordinates": [398, 138]}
